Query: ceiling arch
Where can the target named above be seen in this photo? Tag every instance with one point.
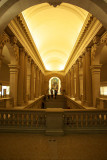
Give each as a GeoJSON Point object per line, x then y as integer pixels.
{"type": "Point", "coordinates": [55, 31]}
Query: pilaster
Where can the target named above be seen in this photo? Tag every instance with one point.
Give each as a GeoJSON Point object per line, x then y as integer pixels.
{"type": "Point", "coordinates": [77, 81]}
{"type": "Point", "coordinates": [88, 78]}
{"type": "Point", "coordinates": [14, 81]}
{"type": "Point", "coordinates": [21, 77]}
{"type": "Point", "coordinates": [32, 81]}
{"type": "Point", "coordinates": [95, 69]}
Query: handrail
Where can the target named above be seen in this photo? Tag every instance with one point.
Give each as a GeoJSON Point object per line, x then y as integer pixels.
{"type": "Point", "coordinates": [73, 120]}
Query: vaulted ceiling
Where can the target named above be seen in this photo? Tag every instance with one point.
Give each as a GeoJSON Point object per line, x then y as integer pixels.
{"type": "Point", "coordinates": [55, 31]}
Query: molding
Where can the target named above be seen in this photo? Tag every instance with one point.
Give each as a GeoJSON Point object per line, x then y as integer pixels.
{"type": "Point", "coordinates": [87, 36]}
{"type": "Point", "coordinates": [19, 31]}
{"type": "Point", "coordinates": [104, 38]}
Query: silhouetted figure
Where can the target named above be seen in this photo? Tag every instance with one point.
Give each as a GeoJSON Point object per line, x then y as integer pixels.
{"type": "Point", "coordinates": [51, 93]}
{"type": "Point", "coordinates": [43, 105]}
{"type": "Point", "coordinates": [55, 93]}
{"type": "Point", "coordinates": [48, 96]}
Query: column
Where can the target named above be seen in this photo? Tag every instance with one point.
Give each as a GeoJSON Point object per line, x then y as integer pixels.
{"type": "Point", "coordinates": [13, 82]}
{"type": "Point", "coordinates": [77, 81]}
{"type": "Point", "coordinates": [40, 78]}
{"type": "Point", "coordinates": [88, 78]}
{"type": "Point", "coordinates": [35, 79]}
{"type": "Point", "coordinates": [43, 84]}
{"type": "Point", "coordinates": [25, 79]}
{"type": "Point", "coordinates": [69, 83]}
{"type": "Point", "coordinates": [1, 56]}
{"type": "Point", "coordinates": [66, 84]}
{"type": "Point", "coordinates": [37, 82]}
{"type": "Point", "coordinates": [84, 79]}
{"type": "Point", "coordinates": [32, 81]}
{"type": "Point", "coordinates": [21, 77]}
{"type": "Point", "coordinates": [28, 77]}
{"type": "Point", "coordinates": [72, 82]}
{"type": "Point", "coordinates": [95, 69]}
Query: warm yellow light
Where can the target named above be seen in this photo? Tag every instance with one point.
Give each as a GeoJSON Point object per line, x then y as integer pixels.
{"type": "Point", "coordinates": [55, 31]}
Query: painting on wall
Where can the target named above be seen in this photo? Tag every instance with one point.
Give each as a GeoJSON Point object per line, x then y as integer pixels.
{"type": "Point", "coordinates": [54, 83]}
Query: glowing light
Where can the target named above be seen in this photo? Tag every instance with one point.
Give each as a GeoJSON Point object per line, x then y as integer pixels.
{"type": "Point", "coordinates": [55, 31]}
{"type": "Point", "coordinates": [103, 90]}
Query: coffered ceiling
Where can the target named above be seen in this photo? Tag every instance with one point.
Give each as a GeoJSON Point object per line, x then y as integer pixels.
{"type": "Point", "coordinates": [55, 31]}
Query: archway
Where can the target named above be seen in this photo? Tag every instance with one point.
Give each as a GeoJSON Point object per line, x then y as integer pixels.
{"type": "Point", "coordinates": [10, 56]}
{"type": "Point", "coordinates": [55, 84]}
{"type": "Point", "coordinates": [103, 74]}
{"type": "Point", "coordinates": [4, 73]}
{"type": "Point", "coordinates": [14, 7]}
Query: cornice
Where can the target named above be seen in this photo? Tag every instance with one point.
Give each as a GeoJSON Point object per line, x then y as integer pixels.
{"type": "Point", "coordinates": [88, 33]}
{"type": "Point", "coordinates": [20, 32]}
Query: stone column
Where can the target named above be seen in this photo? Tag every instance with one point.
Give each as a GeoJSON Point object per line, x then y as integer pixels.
{"type": "Point", "coordinates": [35, 79]}
{"type": "Point", "coordinates": [88, 78]}
{"type": "Point", "coordinates": [95, 69]}
{"type": "Point", "coordinates": [84, 79]}
{"type": "Point", "coordinates": [43, 84]}
{"type": "Point", "coordinates": [1, 56]}
{"type": "Point", "coordinates": [25, 79]}
{"type": "Point", "coordinates": [32, 81]}
{"type": "Point", "coordinates": [28, 77]}
{"type": "Point", "coordinates": [21, 77]}
{"type": "Point", "coordinates": [66, 84]}
{"type": "Point", "coordinates": [77, 81]}
{"type": "Point", "coordinates": [72, 83]}
{"type": "Point", "coordinates": [69, 83]}
{"type": "Point", "coordinates": [37, 82]}
{"type": "Point", "coordinates": [40, 87]}
{"type": "Point", "coordinates": [13, 81]}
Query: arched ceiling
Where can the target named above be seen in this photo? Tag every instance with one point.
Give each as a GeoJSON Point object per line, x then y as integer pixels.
{"type": "Point", "coordinates": [55, 31]}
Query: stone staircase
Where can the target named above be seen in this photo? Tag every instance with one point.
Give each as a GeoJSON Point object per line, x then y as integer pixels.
{"type": "Point", "coordinates": [59, 102]}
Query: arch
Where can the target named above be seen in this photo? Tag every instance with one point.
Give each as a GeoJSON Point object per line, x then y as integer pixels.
{"type": "Point", "coordinates": [4, 72]}
{"type": "Point", "coordinates": [11, 46]}
{"type": "Point", "coordinates": [14, 7]}
{"type": "Point", "coordinates": [57, 85]}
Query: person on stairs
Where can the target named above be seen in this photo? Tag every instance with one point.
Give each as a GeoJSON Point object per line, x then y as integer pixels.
{"type": "Point", "coordinates": [55, 93]}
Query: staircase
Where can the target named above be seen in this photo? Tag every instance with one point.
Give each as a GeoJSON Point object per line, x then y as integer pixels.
{"type": "Point", "coordinates": [59, 102]}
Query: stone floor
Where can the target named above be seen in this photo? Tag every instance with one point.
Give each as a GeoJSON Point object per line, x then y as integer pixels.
{"type": "Point", "coordinates": [17, 146]}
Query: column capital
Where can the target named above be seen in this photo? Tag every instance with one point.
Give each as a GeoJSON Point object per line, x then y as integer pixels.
{"type": "Point", "coordinates": [26, 54]}
{"type": "Point", "coordinates": [88, 50]}
{"type": "Point", "coordinates": [32, 61]}
{"type": "Point", "coordinates": [11, 66]}
{"type": "Point", "coordinates": [104, 38]}
{"type": "Point", "coordinates": [96, 68]}
{"type": "Point", "coordinates": [96, 40]}
{"type": "Point", "coordinates": [29, 59]}
{"type": "Point", "coordinates": [22, 50]}
{"type": "Point", "coordinates": [13, 40]}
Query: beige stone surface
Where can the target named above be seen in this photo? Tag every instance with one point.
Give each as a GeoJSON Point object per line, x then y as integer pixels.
{"type": "Point", "coordinates": [38, 147]}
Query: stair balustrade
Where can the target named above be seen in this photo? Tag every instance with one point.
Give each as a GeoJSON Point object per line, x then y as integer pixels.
{"type": "Point", "coordinates": [35, 120]}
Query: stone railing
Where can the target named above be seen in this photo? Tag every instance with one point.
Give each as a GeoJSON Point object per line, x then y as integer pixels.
{"type": "Point", "coordinates": [35, 104]}
{"type": "Point", "coordinates": [22, 120]}
{"type": "Point", "coordinates": [72, 104]}
{"type": "Point", "coordinates": [53, 121]}
{"type": "Point", "coordinates": [6, 102]}
{"type": "Point", "coordinates": [85, 120]}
